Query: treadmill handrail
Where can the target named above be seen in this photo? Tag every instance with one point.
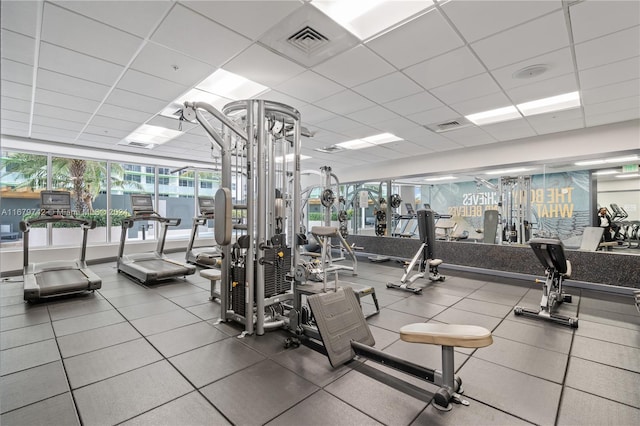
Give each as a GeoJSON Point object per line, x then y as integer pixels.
{"type": "Point", "coordinates": [25, 225]}
{"type": "Point", "coordinates": [169, 221]}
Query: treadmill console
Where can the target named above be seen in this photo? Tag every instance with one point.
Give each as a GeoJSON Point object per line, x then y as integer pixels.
{"type": "Point", "coordinates": [206, 205]}
{"type": "Point", "coordinates": [141, 204]}
{"type": "Point", "coordinates": [55, 201]}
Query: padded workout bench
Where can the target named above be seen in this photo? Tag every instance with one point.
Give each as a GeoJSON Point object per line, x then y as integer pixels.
{"type": "Point", "coordinates": [212, 275]}
{"type": "Point", "coordinates": [345, 334]}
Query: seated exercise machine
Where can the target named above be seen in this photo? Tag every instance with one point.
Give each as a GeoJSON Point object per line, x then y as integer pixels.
{"type": "Point", "coordinates": [152, 266]}
{"type": "Point", "coordinates": [203, 256]}
{"type": "Point", "coordinates": [58, 277]}
{"type": "Point", "coordinates": [324, 236]}
{"type": "Point", "coordinates": [344, 333]}
{"type": "Point", "coordinates": [424, 256]}
{"type": "Point", "coordinates": [550, 253]}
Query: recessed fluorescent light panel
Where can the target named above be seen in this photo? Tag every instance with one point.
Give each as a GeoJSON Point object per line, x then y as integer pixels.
{"type": "Point", "coordinates": [155, 135]}
{"type": "Point", "coordinates": [494, 116]}
{"type": "Point", "coordinates": [366, 18]}
{"type": "Point", "coordinates": [232, 86]}
{"type": "Point", "coordinates": [289, 158]}
{"type": "Point", "coordinates": [554, 103]}
{"type": "Point", "coordinates": [434, 179]}
{"type": "Point", "coordinates": [628, 175]}
{"type": "Point", "coordinates": [508, 171]}
{"type": "Point", "coordinates": [370, 141]}
{"type": "Point", "coordinates": [607, 172]}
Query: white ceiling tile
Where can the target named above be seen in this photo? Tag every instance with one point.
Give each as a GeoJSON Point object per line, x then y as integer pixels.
{"type": "Point", "coordinates": [135, 101]}
{"type": "Point", "coordinates": [16, 72]}
{"type": "Point", "coordinates": [558, 121]}
{"type": "Point", "coordinates": [469, 88]}
{"type": "Point", "coordinates": [355, 66]}
{"type": "Point", "coordinates": [103, 133]}
{"type": "Point", "coordinates": [114, 123]}
{"type": "Point", "coordinates": [15, 90]}
{"type": "Point", "coordinates": [20, 16]}
{"type": "Point", "coordinates": [470, 136]}
{"type": "Point", "coordinates": [414, 103]}
{"type": "Point", "coordinates": [133, 115]}
{"type": "Point", "coordinates": [57, 123]}
{"type": "Point", "coordinates": [273, 68]}
{"type": "Point", "coordinates": [17, 47]}
{"type": "Point", "coordinates": [433, 116]}
{"type": "Point", "coordinates": [551, 87]}
{"type": "Point", "coordinates": [13, 104]}
{"type": "Point", "coordinates": [339, 124]}
{"type": "Point", "coordinates": [361, 132]}
{"type": "Point", "coordinates": [309, 87]}
{"type": "Point", "coordinates": [22, 117]}
{"type": "Point", "coordinates": [605, 50]}
{"type": "Point", "coordinates": [312, 114]}
{"type": "Point", "coordinates": [345, 102]}
{"type": "Point", "coordinates": [388, 88]}
{"type": "Point", "coordinates": [75, 32]}
{"type": "Point", "coordinates": [324, 137]}
{"type": "Point", "coordinates": [407, 148]}
{"type": "Point", "coordinates": [152, 86]}
{"type": "Point", "coordinates": [65, 61]}
{"type": "Point", "coordinates": [135, 17]}
{"type": "Point", "coordinates": [446, 68]}
{"type": "Point", "coordinates": [627, 69]}
{"type": "Point", "coordinates": [170, 123]}
{"type": "Point", "coordinates": [591, 19]}
{"type": "Point", "coordinates": [70, 85]}
{"type": "Point", "coordinates": [613, 117]}
{"type": "Point", "coordinates": [525, 41]}
{"type": "Point", "coordinates": [483, 103]}
{"type": "Point", "coordinates": [55, 111]}
{"type": "Point", "coordinates": [47, 132]}
{"type": "Point", "coordinates": [397, 125]}
{"type": "Point", "coordinates": [250, 18]}
{"type": "Point", "coordinates": [205, 40]}
{"type": "Point", "coordinates": [98, 140]}
{"type": "Point", "coordinates": [14, 128]}
{"type": "Point", "coordinates": [422, 38]}
{"type": "Point", "coordinates": [513, 129]}
{"type": "Point", "coordinates": [559, 63]}
{"type": "Point", "coordinates": [623, 104]}
{"type": "Point", "coordinates": [611, 92]}
{"type": "Point", "coordinates": [171, 65]}
{"type": "Point", "coordinates": [373, 116]}
{"type": "Point", "coordinates": [479, 19]}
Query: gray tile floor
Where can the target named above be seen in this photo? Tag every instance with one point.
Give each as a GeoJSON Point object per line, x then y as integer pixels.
{"type": "Point", "coordinates": [150, 356]}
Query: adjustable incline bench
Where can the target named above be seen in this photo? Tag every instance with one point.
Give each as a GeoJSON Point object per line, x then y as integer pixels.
{"type": "Point", "coordinates": [345, 334]}
{"type": "Point", "coordinates": [550, 253]}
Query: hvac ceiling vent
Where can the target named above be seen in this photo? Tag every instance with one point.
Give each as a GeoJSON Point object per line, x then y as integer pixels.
{"type": "Point", "coordinates": [447, 126]}
{"type": "Point", "coordinates": [308, 40]}
{"type": "Point", "coordinates": [134, 144]}
{"type": "Point", "coordinates": [329, 149]}
{"type": "Point", "coordinates": [308, 37]}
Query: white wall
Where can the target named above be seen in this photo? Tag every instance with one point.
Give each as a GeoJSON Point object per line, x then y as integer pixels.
{"type": "Point", "coordinates": [571, 145]}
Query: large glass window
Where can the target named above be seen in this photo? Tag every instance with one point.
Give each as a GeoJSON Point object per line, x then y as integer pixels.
{"type": "Point", "coordinates": [121, 190]}
{"type": "Point", "coordinates": [22, 177]}
{"type": "Point", "coordinates": [178, 201]}
{"type": "Point", "coordinates": [208, 185]}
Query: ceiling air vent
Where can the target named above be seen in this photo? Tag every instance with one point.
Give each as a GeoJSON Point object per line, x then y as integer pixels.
{"type": "Point", "coordinates": [308, 40]}
{"type": "Point", "coordinates": [449, 125]}
{"type": "Point", "coordinates": [329, 149]}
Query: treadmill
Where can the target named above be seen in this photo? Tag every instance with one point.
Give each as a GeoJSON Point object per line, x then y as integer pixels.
{"type": "Point", "coordinates": [59, 277]}
{"type": "Point", "coordinates": [149, 267]}
{"type": "Point", "coordinates": [203, 256]}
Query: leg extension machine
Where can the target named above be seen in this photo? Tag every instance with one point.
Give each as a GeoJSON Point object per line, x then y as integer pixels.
{"type": "Point", "coordinates": [345, 334]}
{"type": "Point", "coordinates": [550, 252]}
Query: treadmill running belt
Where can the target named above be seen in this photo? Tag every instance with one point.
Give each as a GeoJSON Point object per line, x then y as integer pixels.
{"type": "Point", "coordinates": [160, 268]}
{"type": "Point", "coordinates": [51, 282]}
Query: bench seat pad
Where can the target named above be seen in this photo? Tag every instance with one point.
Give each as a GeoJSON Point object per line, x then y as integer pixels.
{"type": "Point", "coordinates": [211, 274]}
{"type": "Point", "coordinates": [465, 336]}
{"type": "Point", "coordinates": [325, 231]}
{"type": "Point", "coordinates": [435, 262]}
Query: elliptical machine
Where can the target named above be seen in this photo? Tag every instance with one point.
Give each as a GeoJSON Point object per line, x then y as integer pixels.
{"type": "Point", "coordinates": [550, 252]}
{"type": "Point", "coordinates": [424, 256]}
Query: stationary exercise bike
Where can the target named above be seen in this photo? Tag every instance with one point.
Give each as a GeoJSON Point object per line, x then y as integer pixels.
{"type": "Point", "coordinates": [550, 253]}
{"type": "Point", "coordinates": [423, 258]}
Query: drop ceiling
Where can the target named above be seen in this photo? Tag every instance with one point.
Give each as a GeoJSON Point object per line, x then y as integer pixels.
{"type": "Point", "coordinates": [87, 73]}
